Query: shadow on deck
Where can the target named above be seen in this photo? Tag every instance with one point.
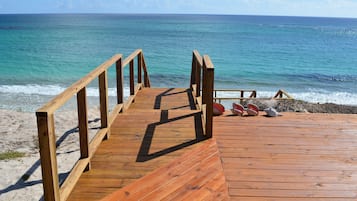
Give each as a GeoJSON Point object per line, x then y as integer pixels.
{"type": "Point", "coordinates": [160, 103]}
{"type": "Point", "coordinates": [144, 152]}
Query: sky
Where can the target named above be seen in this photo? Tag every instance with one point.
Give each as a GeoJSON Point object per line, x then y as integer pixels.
{"type": "Point", "coordinates": [321, 8]}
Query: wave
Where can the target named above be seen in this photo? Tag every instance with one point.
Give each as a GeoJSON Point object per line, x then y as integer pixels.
{"type": "Point", "coordinates": [343, 98]}
{"type": "Point", "coordinates": [30, 97]}
{"type": "Point", "coordinates": [313, 96]}
{"type": "Point", "coordinates": [51, 90]}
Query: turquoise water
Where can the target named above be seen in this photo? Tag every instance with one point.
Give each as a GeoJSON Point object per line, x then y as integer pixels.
{"type": "Point", "coordinates": [314, 59]}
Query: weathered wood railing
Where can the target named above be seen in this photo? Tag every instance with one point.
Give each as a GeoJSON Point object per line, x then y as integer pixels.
{"type": "Point", "coordinates": [239, 94]}
{"type": "Point", "coordinates": [234, 94]}
{"type": "Point", "coordinates": [46, 126]}
{"type": "Point", "coordinates": [202, 79]}
{"type": "Point", "coordinates": [281, 94]}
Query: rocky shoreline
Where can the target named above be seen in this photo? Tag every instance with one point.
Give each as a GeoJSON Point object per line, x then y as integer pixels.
{"type": "Point", "coordinates": [303, 106]}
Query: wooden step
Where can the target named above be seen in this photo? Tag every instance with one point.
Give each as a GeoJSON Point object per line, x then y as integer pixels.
{"type": "Point", "coordinates": [164, 99]}
{"type": "Point", "coordinates": [196, 175]}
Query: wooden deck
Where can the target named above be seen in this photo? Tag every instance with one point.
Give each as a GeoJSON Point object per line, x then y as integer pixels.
{"type": "Point", "coordinates": [293, 157]}
{"type": "Point", "coordinates": [196, 175]}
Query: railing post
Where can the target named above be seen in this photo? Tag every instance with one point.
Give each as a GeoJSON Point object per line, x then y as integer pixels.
{"type": "Point", "coordinates": [120, 79]}
{"type": "Point", "coordinates": [198, 78]}
{"type": "Point", "coordinates": [103, 99]}
{"type": "Point", "coordinates": [253, 94]}
{"type": "Point", "coordinates": [140, 65]}
{"type": "Point", "coordinates": [47, 140]}
{"type": "Point", "coordinates": [131, 74]}
{"type": "Point", "coordinates": [208, 86]}
{"type": "Point", "coordinates": [83, 124]}
{"type": "Point", "coordinates": [193, 71]}
{"type": "Point", "coordinates": [146, 76]}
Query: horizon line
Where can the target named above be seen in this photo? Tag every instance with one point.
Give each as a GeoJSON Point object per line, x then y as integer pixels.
{"type": "Point", "coordinates": [202, 14]}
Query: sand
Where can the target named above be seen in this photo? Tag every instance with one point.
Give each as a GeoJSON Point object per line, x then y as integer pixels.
{"type": "Point", "coordinates": [20, 179]}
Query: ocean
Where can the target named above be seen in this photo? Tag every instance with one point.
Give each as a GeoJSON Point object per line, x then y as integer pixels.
{"type": "Point", "coordinates": [314, 59]}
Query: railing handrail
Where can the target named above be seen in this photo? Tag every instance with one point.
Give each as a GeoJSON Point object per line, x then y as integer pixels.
{"type": "Point", "coordinates": [67, 94]}
{"type": "Point", "coordinates": [253, 95]}
{"type": "Point", "coordinates": [131, 57]}
{"type": "Point", "coordinates": [236, 90]}
{"type": "Point", "coordinates": [46, 127]}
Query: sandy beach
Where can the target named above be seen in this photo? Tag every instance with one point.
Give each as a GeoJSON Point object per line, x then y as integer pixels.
{"type": "Point", "coordinates": [21, 178]}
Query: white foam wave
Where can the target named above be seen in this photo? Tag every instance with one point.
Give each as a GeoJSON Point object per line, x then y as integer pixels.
{"type": "Point", "coordinates": [313, 96]}
{"type": "Point", "coordinates": [343, 98]}
{"type": "Point", "coordinates": [49, 90]}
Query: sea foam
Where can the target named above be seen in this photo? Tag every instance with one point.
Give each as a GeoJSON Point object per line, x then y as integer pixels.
{"type": "Point", "coordinates": [50, 90]}
{"type": "Point", "coordinates": [343, 98]}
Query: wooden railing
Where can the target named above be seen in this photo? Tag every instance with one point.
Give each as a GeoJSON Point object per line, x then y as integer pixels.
{"type": "Point", "coordinates": [235, 94]}
{"type": "Point", "coordinates": [281, 94]}
{"type": "Point", "coordinates": [202, 79]}
{"type": "Point", "coordinates": [46, 126]}
{"type": "Point", "coordinates": [239, 94]}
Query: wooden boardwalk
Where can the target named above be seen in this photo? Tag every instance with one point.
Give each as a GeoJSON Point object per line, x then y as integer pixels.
{"type": "Point", "coordinates": [293, 157]}
{"type": "Point", "coordinates": [159, 145]}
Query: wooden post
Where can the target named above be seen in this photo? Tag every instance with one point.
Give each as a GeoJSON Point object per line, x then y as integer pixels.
{"type": "Point", "coordinates": [47, 144]}
{"type": "Point", "coordinates": [253, 94]}
{"type": "Point", "coordinates": [103, 99]}
{"type": "Point", "coordinates": [193, 71]}
{"type": "Point", "coordinates": [198, 78]}
{"type": "Point", "coordinates": [204, 97]}
{"type": "Point", "coordinates": [83, 124]}
{"type": "Point", "coordinates": [208, 88]}
{"type": "Point", "coordinates": [120, 79]}
{"type": "Point", "coordinates": [140, 65]}
{"type": "Point", "coordinates": [204, 85]}
{"type": "Point", "coordinates": [131, 74]}
{"type": "Point", "coordinates": [146, 76]}
{"type": "Point", "coordinates": [196, 71]}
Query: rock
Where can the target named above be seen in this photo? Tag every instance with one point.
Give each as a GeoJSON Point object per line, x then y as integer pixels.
{"type": "Point", "coordinates": [303, 106]}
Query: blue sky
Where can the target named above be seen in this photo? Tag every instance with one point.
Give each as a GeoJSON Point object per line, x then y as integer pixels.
{"type": "Point", "coordinates": [326, 8]}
